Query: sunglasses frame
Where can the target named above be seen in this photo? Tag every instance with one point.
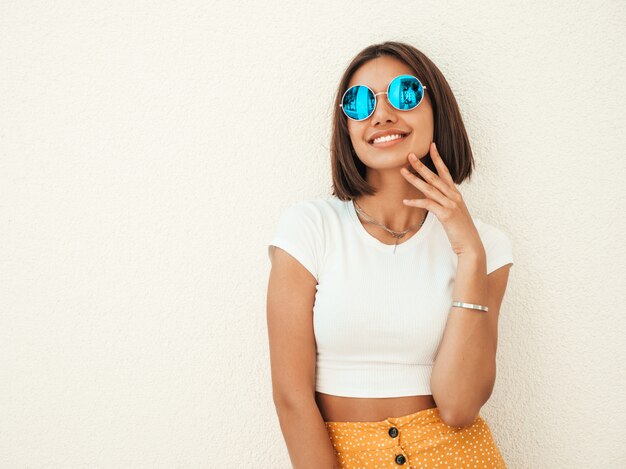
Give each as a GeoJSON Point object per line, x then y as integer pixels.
{"type": "Point", "coordinates": [385, 93]}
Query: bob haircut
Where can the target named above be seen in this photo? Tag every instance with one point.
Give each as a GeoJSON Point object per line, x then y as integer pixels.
{"type": "Point", "coordinates": [450, 136]}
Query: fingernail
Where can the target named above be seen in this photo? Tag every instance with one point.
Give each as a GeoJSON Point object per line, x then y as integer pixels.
{"type": "Point", "coordinates": [412, 156]}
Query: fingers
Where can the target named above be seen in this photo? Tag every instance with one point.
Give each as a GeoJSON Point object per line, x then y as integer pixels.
{"type": "Point", "coordinates": [427, 189]}
{"type": "Point", "coordinates": [442, 169]}
{"type": "Point", "coordinates": [443, 182]}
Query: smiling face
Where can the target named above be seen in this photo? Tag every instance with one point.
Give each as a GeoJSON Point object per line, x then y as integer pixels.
{"type": "Point", "coordinates": [418, 123]}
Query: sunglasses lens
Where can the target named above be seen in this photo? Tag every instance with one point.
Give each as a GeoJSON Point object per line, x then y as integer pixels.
{"type": "Point", "coordinates": [358, 102]}
{"type": "Point", "coordinates": [405, 92]}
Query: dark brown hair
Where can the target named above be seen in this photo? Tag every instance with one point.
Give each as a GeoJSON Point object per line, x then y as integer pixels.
{"type": "Point", "coordinates": [348, 172]}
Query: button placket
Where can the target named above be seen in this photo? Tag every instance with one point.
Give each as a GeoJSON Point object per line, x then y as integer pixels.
{"type": "Point", "coordinates": [393, 432]}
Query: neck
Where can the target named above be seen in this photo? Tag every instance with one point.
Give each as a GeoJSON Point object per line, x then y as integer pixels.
{"type": "Point", "coordinates": [386, 205]}
{"type": "Point", "coordinates": [391, 212]}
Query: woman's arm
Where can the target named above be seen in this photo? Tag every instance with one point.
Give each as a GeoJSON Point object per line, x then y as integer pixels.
{"type": "Point", "coordinates": [306, 437]}
{"type": "Point", "coordinates": [464, 372]}
{"type": "Point", "coordinates": [290, 299]}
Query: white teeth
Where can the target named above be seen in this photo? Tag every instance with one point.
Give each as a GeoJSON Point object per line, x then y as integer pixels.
{"type": "Point", "coordinates": [387, 138]}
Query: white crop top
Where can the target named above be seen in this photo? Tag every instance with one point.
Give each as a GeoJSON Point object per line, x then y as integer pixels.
{"type": "Point", "coordinates": [378, 316]}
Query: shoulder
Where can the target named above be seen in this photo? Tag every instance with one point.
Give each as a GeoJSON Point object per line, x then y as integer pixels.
{"type": "Point", "coordinates": [491, 232]}
{"type": "Point", "coordinates": [315, 210]}
{"type": "Point", "coordinates": [302, 230]}
{"type": "Point", "coordinates": [497, 242]}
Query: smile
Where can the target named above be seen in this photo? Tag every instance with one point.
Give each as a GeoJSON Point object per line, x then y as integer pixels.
{"type": "Point", "coordinates": [389, 141]}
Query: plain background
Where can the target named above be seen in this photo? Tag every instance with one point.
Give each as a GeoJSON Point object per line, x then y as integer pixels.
{"type": "Point", "coordinates": [148, 148]}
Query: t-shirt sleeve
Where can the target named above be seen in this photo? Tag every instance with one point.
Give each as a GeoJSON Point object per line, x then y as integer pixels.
{"type": "Point", "coordinates": [299, 232]}
{"type": "Point", "coordinates": [498, 246]}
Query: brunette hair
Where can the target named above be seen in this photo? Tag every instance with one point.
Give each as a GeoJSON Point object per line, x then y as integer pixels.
{"type": "Point", "coordinates": [450, 136]}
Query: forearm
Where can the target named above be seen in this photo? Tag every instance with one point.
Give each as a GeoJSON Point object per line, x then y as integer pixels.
{"type": "Point", "coordinates": [464, 371]}
{"type": "Point", "coordinates": [307, 439]}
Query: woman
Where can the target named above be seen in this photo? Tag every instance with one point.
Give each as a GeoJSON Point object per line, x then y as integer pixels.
{"type": "Point", "coordinates": [383, 299]}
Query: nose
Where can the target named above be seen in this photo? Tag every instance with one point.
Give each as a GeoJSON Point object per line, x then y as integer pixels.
{"type": "Point", "coordinates": [384, 112]}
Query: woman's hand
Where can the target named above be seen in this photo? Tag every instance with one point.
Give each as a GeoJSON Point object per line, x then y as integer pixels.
{"type": "Point", "coordinates": [445, 201]}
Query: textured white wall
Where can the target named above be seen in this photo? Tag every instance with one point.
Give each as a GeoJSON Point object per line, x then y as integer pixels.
{"type": "Point", "coordinates": [147, 149]}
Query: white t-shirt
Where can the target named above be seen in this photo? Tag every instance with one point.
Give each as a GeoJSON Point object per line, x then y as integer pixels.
{"type": "Point", "coordinates": [378, 316]}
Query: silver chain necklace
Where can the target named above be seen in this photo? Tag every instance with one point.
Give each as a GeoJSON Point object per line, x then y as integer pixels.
{"type": "Point", "coordinates": [396, 234]}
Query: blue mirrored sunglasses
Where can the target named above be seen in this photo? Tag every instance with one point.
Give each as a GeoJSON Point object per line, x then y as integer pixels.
{"type": "Point", "coordinates": [405, 92]}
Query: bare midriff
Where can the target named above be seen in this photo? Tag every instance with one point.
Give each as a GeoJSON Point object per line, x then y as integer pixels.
{"type": "Point", "coordinates": [353, 409]}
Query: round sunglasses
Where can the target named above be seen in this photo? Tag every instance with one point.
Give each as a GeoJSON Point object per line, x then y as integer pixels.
{"type": "Point", "coordinates": [405, 92]}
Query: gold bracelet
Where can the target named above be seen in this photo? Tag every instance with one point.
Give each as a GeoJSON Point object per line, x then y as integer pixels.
{"type": "Point", "coordinates": [460, 304]}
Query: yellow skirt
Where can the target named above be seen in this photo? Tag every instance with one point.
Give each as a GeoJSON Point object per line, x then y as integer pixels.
{"type": "Point", "coordinates": [419, 440]}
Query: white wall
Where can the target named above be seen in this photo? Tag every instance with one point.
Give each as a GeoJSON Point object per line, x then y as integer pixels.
{"type": "Point", "coordinates": [147, 148]}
